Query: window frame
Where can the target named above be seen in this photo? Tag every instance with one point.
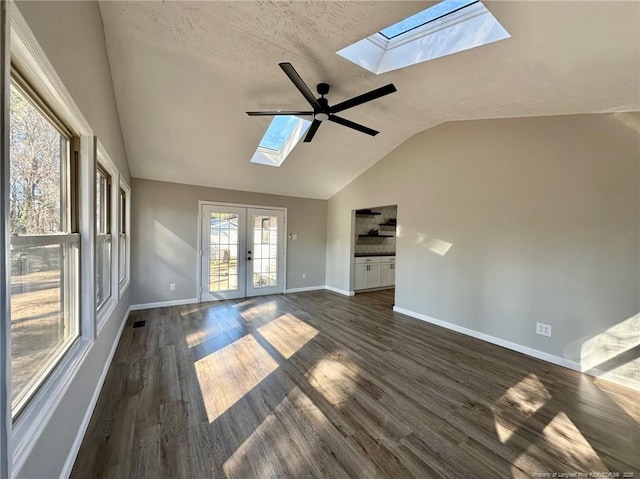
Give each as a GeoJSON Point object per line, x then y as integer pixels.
{"type": "Point", "coordinates": [68, 236]}
{"type": "Point", "coordinates": [5, 327]}
{"type": "Point", "coordinates": [123, 282]}
{"type": "Point", "coordinates": [29, 59]}
{"type": "Point", "coordinates": [104, 163]}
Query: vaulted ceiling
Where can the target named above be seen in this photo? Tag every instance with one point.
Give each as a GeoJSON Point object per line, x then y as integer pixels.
{"type": "Point", "coordinates": [185, 73]}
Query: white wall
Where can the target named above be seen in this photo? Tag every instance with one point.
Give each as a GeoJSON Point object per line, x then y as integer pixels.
{"type": "Point", "coordinates": [164, 234]}
{"type": "Point", "coordinates": [71, 35]}
{"type": "Point", "coordinates": [542, 214]}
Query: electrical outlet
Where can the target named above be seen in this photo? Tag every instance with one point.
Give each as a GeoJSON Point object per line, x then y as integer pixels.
{"type": "Point", "coordinates": [543, 329]}
{"type": "Point", "coordinates": [304, 275]}
{"type": "Point", "coordinates": [172, 287]}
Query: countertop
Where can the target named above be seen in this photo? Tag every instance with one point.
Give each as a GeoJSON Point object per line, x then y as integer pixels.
{"type": "Point", "coordinates": [360, 255]}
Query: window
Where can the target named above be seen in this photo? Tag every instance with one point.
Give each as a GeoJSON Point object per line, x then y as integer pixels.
{"type": "Point", "coordinates": [124, 207]}
{"type": "Point", "coordinates": [445, 28]}
{"type": "Point", "coordinates": [44, 242]}
{"type": "Point", "coordinates": [283, 134]}
{"type": "Point", "coordinates": [103, 237]}
{"type": "Point", "coordinates": [439, 10]}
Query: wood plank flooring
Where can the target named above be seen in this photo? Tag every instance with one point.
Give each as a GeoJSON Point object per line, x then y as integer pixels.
{"type": "Point", "coordinates": [318, 385]}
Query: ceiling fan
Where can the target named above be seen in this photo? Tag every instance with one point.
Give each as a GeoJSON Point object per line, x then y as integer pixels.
{"type": "Point", "coordinates": [321, 109]}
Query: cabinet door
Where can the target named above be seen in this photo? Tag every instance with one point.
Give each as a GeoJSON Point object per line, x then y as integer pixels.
{"type": "Point", "coordinates": [392, 274]}
{"type": "Point", "coordinates": [385, 274]}
{"type": "Point", "coordinates": [373, 276]}
{"type": "Point", "coordinates": [361, 277]}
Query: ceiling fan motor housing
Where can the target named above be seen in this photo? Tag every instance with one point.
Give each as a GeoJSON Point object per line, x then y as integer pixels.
{"type": "Point", "coordinates": [322, 113]}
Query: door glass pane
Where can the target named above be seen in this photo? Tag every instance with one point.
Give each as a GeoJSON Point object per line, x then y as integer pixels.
{"type": "Point", "coordinates": [223, 253]}
{"type": "Point", "coordinates": [265, 258]}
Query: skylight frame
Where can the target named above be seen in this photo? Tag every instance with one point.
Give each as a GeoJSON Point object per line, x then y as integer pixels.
{"type": "Point", "coordinates": [436, 38]}
{"type": "Point", "coordinates": [270, 157]}
{"type": "Point", "coordinates": [408, 30]}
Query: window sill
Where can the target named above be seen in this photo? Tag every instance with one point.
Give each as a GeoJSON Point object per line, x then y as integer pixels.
{"type": "Point", "coordinates": [123, 287]}
{"type": "Point", "coordinates": [104, 313]}
{"type": "Point", "coordinates": [34, 418]}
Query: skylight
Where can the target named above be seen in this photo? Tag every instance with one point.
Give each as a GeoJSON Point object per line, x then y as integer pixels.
{"type": "Point", "coordinates": [279, 139]}
{"type": "Point", "coordinates": [425, 16]}
{"type": "Point", "coordinates": [446, 28]}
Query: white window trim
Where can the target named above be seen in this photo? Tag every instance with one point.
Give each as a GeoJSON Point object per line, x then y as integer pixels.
{"type": "Point", "coordinates": [27, 54]}
{"type": "Point", "coordinates": [124, 284]}
{"type": "Point", "coordinates": [5, 327]}
{"type": "Point", "coordinates": [104, 160]}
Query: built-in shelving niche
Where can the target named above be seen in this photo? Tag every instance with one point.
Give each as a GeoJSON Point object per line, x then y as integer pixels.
{"type": "Point", "coordinates": [382, 219]}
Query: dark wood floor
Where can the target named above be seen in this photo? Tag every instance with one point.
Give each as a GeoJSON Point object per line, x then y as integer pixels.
{"type": "Point", "coordinates": [320, 385]}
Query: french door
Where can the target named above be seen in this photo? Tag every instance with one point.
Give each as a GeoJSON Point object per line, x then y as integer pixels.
{"type": "Point", "coordinates": [242, 252]}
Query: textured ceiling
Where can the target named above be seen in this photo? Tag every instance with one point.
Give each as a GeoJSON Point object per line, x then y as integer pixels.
{"type": "Point", "coordinates": [184, 74]}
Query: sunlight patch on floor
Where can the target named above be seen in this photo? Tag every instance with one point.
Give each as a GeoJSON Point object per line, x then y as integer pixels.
{"type": "Point", "coordinates": [287, 334]}
{"type": "Point", "coordinates": [631, 407]}
{"type": "Point", "coordinates": [252, 457]}
{"type": "Point", "coordinates": [231, 372]}
{"type": "Point", "coordinates": [518, 404]}
{"type": "Point", "coordinates": [210, 330]}
{"type": "Point", "coordinates": [260, 313]}
{"type": "Point", "coordinates": [335, 377]}
{"type": "Point", "coordinates": [270, 446]}
{"type": "Point", "coordinates": [563, 442]}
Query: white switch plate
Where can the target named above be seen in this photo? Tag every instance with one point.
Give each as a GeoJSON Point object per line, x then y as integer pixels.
{"type": "Point", "coordinates": [304, 275]}
{"type": "Point", "coordinates": [172, 287]}
{"type": "Point", "coordinates": [543, 329]}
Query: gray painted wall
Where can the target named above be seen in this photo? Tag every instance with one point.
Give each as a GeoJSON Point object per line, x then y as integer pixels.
{"type": "Point", "coordinates": [71, 35]}
{"type": "Point", "coordinates": [164, 237]}
{"type": "Point", "coordinates": [542, 214]}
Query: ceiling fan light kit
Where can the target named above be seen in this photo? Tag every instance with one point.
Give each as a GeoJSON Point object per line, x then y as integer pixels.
{"type": "Point", "coordinates": [321, 109]}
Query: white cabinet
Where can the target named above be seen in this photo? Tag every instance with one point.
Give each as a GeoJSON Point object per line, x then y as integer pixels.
{"type": "Point", "coordinates": [367, 276]}
{"type": "Point", "coordinates": [374, 272]}
{"type": "Point", "coordinates": [361, 277]}
{"type": "Point", "coordinates": [387, 274]}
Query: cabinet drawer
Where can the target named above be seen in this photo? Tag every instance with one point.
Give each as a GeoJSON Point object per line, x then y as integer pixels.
{"type": "Point", "coordinates": [367, 259]}
{"type": "Point", "coordinates": [387, 259]}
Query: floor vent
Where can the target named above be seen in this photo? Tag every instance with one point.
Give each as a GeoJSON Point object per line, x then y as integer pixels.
{"type": "Point", "coordinates": [139, 324]}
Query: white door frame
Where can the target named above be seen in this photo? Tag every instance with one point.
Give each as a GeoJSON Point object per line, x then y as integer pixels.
{"type": "Point", "coordinates": [199, 251]}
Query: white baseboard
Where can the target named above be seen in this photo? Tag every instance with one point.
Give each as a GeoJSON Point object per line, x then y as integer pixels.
{"type": "Point", "coordinates": [306, 288]}
{"type": "Point", "coordinates": [567, 363]}
{"type": "Point", "coordinates": [75, 447]}
{"type": "Point", "coordinates": [163, 304]}
{"type": "Point", "coordinates": [339, 291]}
